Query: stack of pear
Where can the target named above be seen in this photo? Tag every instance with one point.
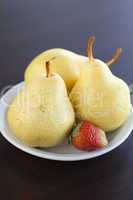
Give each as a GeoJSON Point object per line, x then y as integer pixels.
{"type": "Point", "coordinates": [42, 115]}
{"type": "Point", "coordinates": [99, 96]}
{"type": "Point", "coordinates": [66, 63]}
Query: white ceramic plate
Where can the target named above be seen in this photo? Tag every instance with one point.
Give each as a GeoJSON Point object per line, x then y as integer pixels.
{"type": "Point", "coordinates": [63, 152]}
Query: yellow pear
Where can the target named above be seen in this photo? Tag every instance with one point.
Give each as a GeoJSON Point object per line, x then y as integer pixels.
{"type": "Point", "coordinates": [42, 115]}
{"type": "Point", "coordinates": [99, 96]}
{"type": "Point", "coordinates": [66, 63]}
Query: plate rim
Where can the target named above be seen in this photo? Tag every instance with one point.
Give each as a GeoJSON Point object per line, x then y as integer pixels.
{"type": "Point", "coordinates": [57, 156]}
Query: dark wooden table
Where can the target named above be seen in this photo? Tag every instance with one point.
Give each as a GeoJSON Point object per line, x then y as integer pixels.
{"type": "Point", "coordinates": [30, 27]}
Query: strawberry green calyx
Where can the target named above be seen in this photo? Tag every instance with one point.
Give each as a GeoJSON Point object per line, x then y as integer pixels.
{"type": "Point", "coordinates": [73, 133]}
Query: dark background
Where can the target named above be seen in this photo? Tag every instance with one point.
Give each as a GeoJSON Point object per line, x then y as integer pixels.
{"type": "Point", "coordinates": [29, 27]}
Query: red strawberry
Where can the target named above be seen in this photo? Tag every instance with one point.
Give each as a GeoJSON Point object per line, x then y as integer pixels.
{"type": "Point", "coordinates": [87, 136]}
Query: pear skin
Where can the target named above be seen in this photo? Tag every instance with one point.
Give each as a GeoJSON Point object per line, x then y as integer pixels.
{"type": "Point", "coordinates": [100, 97]}
{"type": "Point", "coordinates": [66, 63]}
{"type": "Point", "coordinates": [42, 115]}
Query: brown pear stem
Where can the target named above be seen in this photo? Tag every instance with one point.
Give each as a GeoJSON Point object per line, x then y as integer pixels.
{"type": "Point", "coordinates": [47, 69]}
{"type": "Point", "coordinates": [91, 41]}
{"type": "Point", "coordinates": [47, 64]}
{"type": "Point", "coordinates": [115, 57]}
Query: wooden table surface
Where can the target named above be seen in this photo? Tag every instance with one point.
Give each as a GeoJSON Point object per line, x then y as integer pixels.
{"type": "Point", "coordinates": [30, 27]}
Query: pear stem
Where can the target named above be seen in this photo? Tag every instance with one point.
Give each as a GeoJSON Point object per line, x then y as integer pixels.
{"type": "Point", "coordinates": [47, 64]}
{"type": "Point", "coordinates": [47, 69]}
{"type": "Point", "coordinates": [115, 57]}
{"type": "Point", "coordinates": [91, 41]}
